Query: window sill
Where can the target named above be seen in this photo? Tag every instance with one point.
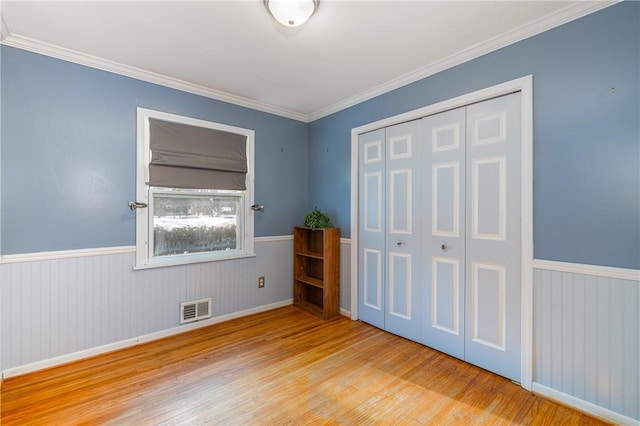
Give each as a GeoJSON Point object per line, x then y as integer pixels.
{"type": "Point", "coordinates": [191, 260]}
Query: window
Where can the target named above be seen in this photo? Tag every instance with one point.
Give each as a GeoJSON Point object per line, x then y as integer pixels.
{"type": "Point", "coordinates": [196, 177]}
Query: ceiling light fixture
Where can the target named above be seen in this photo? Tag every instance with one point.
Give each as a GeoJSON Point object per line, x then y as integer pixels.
{"type": "Point", "coordinates": [291, 13]}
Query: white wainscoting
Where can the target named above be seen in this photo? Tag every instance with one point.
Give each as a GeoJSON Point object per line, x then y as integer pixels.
{"type": "Point", "coordinates": [62, 306]}
{"type": "Point", "coordinates": [58, 307]}
{"type": "Point", "coordinates": [587, 338]}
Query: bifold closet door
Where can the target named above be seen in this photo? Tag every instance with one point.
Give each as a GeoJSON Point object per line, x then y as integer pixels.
{"type": "Point", "coordinates": [439, 248]}
{"type": "Point", "coordinates": [371, 228]}
{"type": "Point", "coordinates": [474, 240]}
{"type": "Point", "coordinates": [493, 241]}
{"type": "Point", "coordinates": [405, 226]}
{"type": "Point", "coordinates": [444, 135]}
{"type": "Point", "coordinates": [392, 217]}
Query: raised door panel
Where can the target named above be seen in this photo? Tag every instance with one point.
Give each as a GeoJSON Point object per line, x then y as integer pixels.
{"type": "Point", "coordinates": [372, 279]}
{"type": "Point", "coordinates": [400, 200]}
{"type": "Point", "coordinates": [445, 200]}
{"type": "Point", "coordinates": [488, 305]}
{"type": "Point", "coordinates": [400, 281]}
{"type": "Point", "coordinates": [445, 295]}
{"type": "Point", "coordinates": [489, 198]}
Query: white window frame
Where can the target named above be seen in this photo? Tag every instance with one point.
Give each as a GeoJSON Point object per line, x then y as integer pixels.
{"type": "Point", "coordinates": [144, 216]}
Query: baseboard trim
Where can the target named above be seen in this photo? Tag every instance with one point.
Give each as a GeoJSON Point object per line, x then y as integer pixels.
{"type": "Point", "coordinates": [579, 404]}
{"type": "Point", "coordinates": [91, 352]}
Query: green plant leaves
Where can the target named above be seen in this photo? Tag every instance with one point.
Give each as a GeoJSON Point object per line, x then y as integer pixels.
{"type": "Point", "coordinates": [316, 219]}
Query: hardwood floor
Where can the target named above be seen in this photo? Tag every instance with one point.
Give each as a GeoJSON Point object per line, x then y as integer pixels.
{"type": "Point", "coordinates": [279, 367]}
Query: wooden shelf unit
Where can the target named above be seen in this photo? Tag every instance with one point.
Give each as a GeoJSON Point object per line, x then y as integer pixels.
{"type": "Point", "coordinates": [316, 270]}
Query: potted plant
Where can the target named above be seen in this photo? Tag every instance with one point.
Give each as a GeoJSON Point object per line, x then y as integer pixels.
{"type": "Point", "coordinates": [317, 220]}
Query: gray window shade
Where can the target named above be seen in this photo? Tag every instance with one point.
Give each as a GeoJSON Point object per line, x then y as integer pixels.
{"type": "Point", "coordinates": [184, 156]}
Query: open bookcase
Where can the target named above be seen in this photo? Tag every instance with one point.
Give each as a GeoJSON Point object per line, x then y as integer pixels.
{"type": "Point", "coordinates": [316, 270]}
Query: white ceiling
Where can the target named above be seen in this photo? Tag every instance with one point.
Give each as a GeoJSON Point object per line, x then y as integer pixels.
{"type": "Point", "coordinates": [348, 52]}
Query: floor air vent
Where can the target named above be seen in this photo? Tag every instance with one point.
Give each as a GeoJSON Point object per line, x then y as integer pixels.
{"type": "Point", "coordinates": [195, 310]}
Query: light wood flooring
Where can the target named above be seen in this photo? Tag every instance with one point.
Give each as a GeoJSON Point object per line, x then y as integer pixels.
{"type": "Point", "coordinates": [282, 367]}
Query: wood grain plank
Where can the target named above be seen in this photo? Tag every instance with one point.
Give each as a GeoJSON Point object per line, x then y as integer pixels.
{"type": "Point", "coordinates": [284, 366]}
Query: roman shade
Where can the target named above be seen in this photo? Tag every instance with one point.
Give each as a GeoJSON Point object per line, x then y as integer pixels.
{"type": "Point", "coordinates": [184, 156]}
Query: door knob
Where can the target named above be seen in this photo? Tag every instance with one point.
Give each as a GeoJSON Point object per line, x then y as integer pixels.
{"type": "Point", "coordinates": [399, 243]}
{"type": "Point", "coordinates": [443, 247]}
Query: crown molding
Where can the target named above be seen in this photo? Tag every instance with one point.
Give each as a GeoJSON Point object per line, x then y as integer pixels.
{"type": "Point", "coordinates": [568, 14]}
{"type": "Point", "coordinates": [36, 46]}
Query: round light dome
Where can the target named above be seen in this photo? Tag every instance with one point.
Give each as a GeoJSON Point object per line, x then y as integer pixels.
{"type": "Point", "coordinates": [291, 13]}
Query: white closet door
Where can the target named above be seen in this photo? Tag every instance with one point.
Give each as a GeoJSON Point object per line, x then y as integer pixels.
{"type": "Point", "coordinates": [493, 237]}
{"type": "Point", "coordinates": [444, 135]}
{"type": "Point", "coordinates": [405, 229]}
{"type": "Point", "coordinates": [372, 228]}
{"type": "Point", "coordinates": [439, 232]}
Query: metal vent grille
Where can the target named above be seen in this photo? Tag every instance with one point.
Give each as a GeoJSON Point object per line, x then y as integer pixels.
{"type": "Point", "coordinates": [195, 310]}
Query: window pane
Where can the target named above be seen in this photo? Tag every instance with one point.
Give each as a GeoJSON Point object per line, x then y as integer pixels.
{"type": "Point", "coordinates": [194, 224]}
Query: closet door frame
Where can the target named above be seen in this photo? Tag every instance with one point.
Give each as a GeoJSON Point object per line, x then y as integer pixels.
{"type": "Point", "coordinates": [524, 85]}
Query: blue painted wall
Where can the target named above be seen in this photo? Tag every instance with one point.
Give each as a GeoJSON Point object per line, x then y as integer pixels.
{"type": "Point", "coordinates": [586, 138]}
{"type": "Point", "coordinates": [69, 154]}
{"type": "Point", "coordinates": [68, 144]}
